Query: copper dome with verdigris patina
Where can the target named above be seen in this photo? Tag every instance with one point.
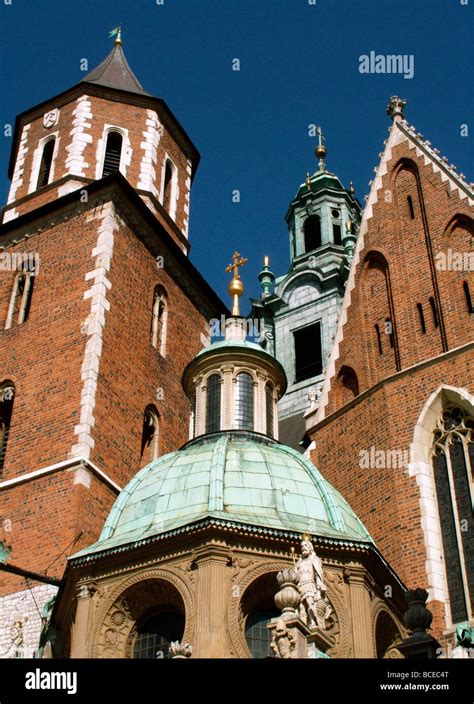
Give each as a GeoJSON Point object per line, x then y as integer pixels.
{"type": "Point", "coordinates": [237, 477]}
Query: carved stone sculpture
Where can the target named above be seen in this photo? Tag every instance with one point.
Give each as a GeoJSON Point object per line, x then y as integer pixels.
{"type": "Point", "coordinates": [283, 642]}
{"type": "Point", "coordinates": [314, 606]}
{"type": "Point", "coordinates": [288, 598]}
{"type": "Point", "coordinates": [180, 650]}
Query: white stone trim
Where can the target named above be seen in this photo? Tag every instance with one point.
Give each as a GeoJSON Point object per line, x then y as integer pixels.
{"type": "Point", "coordinates": [37, 154]}
{"type": "Point", "coordinates": [125, 156]}
{"type": "Point", "coordinates": [59, 466]}
{"type": "Point", "coordinates": [93, 325]}
{"type": "Point", "coordinates": [149, 160]}
{"type": "Point", "coordinates": [421, 467]}
{"type": "Point", "coordinates": [81, 122]}
{"type": "Point", "coordinates": [187, 196]}
{"type": "Point", "coordinates": [18, 173]}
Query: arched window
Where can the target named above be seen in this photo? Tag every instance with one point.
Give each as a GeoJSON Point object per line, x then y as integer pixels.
{"type": "Point", "coordinates": [213, 404]}
{"type": "Point", "coordinates": [269, 403]}
{"type": "Point", "coordinates": [453, 466]}
{"type": "Point", "coordinates": [113, 153]}
{"type": "Point", "coordinates": [258, 609]}
{"type": "Point", "coordinates": [46, 163]}
{"type": "Point", "coordinates": [150, 436]}
{"type": "Point", "coordinates": [422, 317]}
{"type": "Point", "coordinates": [159, 320]}
{"type": "Point", "coordinates": [244, 401]}
{"type": "Point", "coordinates": [7, 395]}
{"type": "Point", "coordinates": [312, 233]}
{"type": "Point", "coordinates": [467, 294]}
{"type": "Point", "coordinates": [20, 301]}
{"type": "Point", "coordinates": [156, 633]}
{"type": "Point", "coordinates": [167, 186]}
{"type": "Point", "coordinates": [434, 312]}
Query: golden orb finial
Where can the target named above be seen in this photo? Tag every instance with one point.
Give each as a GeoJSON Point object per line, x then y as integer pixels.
{"type": "Point", "coordinates": [320, 150]}
{"type": "Point", "coordinates": [236, 287]}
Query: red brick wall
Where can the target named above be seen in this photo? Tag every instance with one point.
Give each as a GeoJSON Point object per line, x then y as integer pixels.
{"type": "Point", "coordinates": [387, 500]}
{"type": "Point", "coordinates": [43, 357]}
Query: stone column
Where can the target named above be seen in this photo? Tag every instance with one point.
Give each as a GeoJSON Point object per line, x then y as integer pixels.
{"type": "Point", "coordinates": [227, 397]}
{"type": "Point", "coordinates": [212, 597]}
{"type": "Point", "coordinates": [200, 419]}
{"type": "Point", "coordinates": [260, 420]}
{"type": "Point", "coordinates": [80, 631]}
{"type": "Point", "coordinates": [363, 646]}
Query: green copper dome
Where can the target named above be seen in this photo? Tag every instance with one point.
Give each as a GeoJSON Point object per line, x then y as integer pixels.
{"type": "Point", "coordinates": [235, 476]}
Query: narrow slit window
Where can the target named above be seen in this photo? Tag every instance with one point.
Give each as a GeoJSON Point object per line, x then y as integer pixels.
{"type": "Point", "coordinates": [379, 338]}
{"type": "Point", "coordinates": [7, 395]}
{"type": "Point", "coordinates": [113, 153]}
{"type": "Point", "coordinates": [336, 233]}
{"type": "Point", "coordinates": [168, 186]}
{"type": "Point", "coordinates": [434, 311]}
{"type": "Point", "coordinates": [422, 318]}
{"type": "Point", "coordinates": [20, 301]}
{"type": "Point", "coordinates": [46, 163]}
{"type": "Point", "coordinates": [159, 319]}
{"type": "Point", "coordinates": [150, 436]}
{"type": "Point", "coordinates": [411, 210]}
{"type": "Point", "coordinates": [467, 294]}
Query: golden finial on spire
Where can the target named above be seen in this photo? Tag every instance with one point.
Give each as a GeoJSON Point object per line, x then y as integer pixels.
{"type": "Point", "coordinates": [236, 287]}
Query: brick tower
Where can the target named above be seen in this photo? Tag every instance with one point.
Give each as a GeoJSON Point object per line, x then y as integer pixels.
{"type": "Point", "coordinates": [394, 427]}
{"type": "Point", "coordinates": [101, 311]}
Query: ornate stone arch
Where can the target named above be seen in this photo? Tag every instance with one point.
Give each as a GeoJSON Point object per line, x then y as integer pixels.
{"type": "Point", "coordinates": [115, 620]}
{"type": "Point", "coordinates": [379, 610]}
{"type": "Point", "coordinates": [421, 468]}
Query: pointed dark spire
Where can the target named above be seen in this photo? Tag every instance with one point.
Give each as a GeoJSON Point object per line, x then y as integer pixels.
{"type": "Point", "coordinates": [114, 72]}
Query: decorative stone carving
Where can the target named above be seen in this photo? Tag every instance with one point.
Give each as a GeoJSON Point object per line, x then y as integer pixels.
{"type": "Point", "coordinates": [288, 598]}
{"type": "Point", "coordinates": [396, 106]}
{"type": "Point", "coordinates": [283, 642]}
{"type": "Point", "coordinates": [180, 650]}
{"type": "Point", "coordinates": [314, 607]}
{"type": "Point", "coordinates": [417, 618]}
{"type": "Point", "coordinates": [51, 118]}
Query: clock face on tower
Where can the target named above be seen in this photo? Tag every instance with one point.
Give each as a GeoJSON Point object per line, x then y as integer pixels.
{"type": "Point", "coordinates": [50, 118]}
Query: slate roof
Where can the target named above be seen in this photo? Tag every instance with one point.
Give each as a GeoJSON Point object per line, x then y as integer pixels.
{"type": "Point", "coordinates": [114, 72]}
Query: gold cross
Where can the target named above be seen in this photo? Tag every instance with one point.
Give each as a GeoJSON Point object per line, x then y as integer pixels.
{"type": "Point", "coordinates": [237, 261]}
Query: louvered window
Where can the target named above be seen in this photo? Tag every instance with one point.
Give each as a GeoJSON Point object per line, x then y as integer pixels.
{"type": "Point", "coordinates": [113, 152]}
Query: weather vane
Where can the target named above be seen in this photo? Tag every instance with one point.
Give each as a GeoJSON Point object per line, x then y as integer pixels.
{"type": "Point", "coordinates": [236, 287]}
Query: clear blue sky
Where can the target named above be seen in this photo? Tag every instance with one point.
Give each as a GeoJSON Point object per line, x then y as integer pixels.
{"type": "Point", "coordinates": [299, 65]}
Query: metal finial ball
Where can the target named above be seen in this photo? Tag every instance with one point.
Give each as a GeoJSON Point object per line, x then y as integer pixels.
{"type": "Point", "coordinates": [320, 151]}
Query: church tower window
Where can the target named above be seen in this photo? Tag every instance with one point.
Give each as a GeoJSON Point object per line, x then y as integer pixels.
{"type": "Point", "coordinates": [46, 163]}
{"type": "Point", "coordinates": [308, 355]}
{"type": "Point", "coordinates": [453, 466]}
{"type": "Point", "coordinates": [7, 395]}
{"type": "Point", "coordinates": [336, 233]}
{"type": "Point", "coordinates": [170, 188]}
{"type": "Point", "coordinates": [213, 404]}
{"type": "Point", "coordinates": [244, 413]}
{"type": "Point", "coordinates": [113, 153]}
{"type": "Point", "coordinates": [20, 301]}
{"type": "Point", "coordinates": [312, 233]}
{"type": "Point", "coordinates": [150, 436]}
{"type": "Point", "coordinates": [159, 320]}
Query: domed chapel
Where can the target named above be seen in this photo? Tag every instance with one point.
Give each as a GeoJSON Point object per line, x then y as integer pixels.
{"type": "Point", "coordinates": [188, 558]}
